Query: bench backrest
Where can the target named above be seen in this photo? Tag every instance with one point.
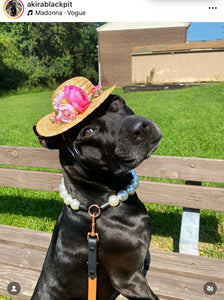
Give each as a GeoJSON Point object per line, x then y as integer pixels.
{"type": "Point", "coordinates": [179, 168]}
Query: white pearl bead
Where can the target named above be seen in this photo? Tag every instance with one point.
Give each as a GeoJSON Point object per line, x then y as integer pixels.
{"type": "Point", "coordinates": [113, 200]}
{"type": "Point", "coordinates": [63, 193]}
{"type": "Point", "coordinates": [62, 187]}
{"type": "Point", "coordinates": [67, 199]}
{"type": "Point", "coordinates": [130, 189]}
{"type": "Point", "coordinates": [75, 204]}
{"type": "Point", "coordinates": [122, 195]}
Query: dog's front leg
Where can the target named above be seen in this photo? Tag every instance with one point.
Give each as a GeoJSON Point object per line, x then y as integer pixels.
{"type": "Point", "coordinates": [136, 288]}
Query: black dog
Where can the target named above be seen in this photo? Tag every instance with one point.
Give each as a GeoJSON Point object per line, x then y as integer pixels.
{"type": "Point", "coordinates": [96, 156]}
{"type": "Point", "coordinates": [13, 9]}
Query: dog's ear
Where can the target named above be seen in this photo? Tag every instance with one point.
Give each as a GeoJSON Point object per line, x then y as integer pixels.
{"type": "Point", "coordinates": [53, 142]}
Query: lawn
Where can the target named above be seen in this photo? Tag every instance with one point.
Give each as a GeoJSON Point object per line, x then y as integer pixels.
{"type": "Point", "coordinates": [191, 119]}
{"type": "Point", "coordinates": [192, 124]}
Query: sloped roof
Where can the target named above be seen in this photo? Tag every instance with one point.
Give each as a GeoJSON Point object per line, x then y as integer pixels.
{"type": "Point", "coordinates": [182, 47]}
{"type": "Point", "coordinates": [111, 26]}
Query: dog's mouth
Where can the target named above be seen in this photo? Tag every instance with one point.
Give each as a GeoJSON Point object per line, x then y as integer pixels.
{"type": "Point", "coordinates": [131, 156]}
{"type": "Point", "coordinates": [156, 144]}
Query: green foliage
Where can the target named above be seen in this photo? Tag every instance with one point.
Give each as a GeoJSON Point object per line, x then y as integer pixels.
{"type": "Point", "coordinates": [45, 54]}
{"type": "Point", "coordinates": [10, 74]}
{"type": "Point", "coordinates": [150, 77]}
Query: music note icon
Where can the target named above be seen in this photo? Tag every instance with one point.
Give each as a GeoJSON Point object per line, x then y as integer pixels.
{"type": "Point", "coordinates": [30, 12]}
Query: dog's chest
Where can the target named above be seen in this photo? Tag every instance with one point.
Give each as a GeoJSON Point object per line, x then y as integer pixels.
{"type": "Point", "coordinates": [118, 228]}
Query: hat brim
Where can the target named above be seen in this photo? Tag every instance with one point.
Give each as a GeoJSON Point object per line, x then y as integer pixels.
{"type": "Point", "coordinates": [45, 127]}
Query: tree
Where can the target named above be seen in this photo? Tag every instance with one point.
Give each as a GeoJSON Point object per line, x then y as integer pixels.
{"type": "Point", "coordinates": [49, 53]}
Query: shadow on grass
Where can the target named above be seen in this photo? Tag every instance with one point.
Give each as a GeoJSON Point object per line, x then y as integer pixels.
{"type": "Point", "coordinates": [166, 222]}
{"type": "Point", "coordinates": [26, 206]}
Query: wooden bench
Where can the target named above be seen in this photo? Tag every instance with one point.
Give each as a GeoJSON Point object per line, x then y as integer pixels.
{"type": "Point", "coordinates": [172, 275]}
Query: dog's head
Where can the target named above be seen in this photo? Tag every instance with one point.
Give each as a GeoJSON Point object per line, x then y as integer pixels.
{"type": "Point", "coordinates": [110, 140]}
{"type": "Point", "coordinates": [13, 8]}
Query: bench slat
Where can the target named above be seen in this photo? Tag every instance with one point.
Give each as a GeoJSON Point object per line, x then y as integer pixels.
{"type": "Point", "coordinates": [152, 192]}
{"type": "Point", "coordinates": [39, 241]}
{"type": "Point", "coordinates": [179, 287]}
{"type": "Point", "coordinates": [29, 238]}
{"type": "Point", "coordinates": [26, 278]}
{"type": "Point", "coordinates": [17, 256]}
{"type": "Point", "coordinates": [26, 179]}
{"type": "Point", "coordinates": [29, 157]}
{"type": "Point", "coordinates": [182, 195]}
{"type": "Point", "coordinates": [192, 266]}
{"type": "Point", "coordinates": [171, 276]}
{"type": "Point", "coordinates": [183, 168]}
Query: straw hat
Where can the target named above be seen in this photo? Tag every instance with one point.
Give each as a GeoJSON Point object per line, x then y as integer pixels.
{"type": "Point", "coordinates": [67, 113]}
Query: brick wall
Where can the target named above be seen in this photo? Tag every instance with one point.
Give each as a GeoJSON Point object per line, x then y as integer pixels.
{"type": "Point", "coordinates": [115, 49]}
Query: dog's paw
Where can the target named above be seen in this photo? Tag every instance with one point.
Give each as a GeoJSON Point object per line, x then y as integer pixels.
{"type": "Point", "coordinates": [120, 297]}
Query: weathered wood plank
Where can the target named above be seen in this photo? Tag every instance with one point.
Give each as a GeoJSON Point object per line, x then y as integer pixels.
{"type": "Point", "coordinates": [182, 195]}
{"type": "Point", "coordinates": [29, 157]}
{"type": "Point", "coordinates": [171, 275]}
{"type": "Point", "coordinates": [164, 285]}
{"type": "Point", "coordinates": [34, 180]}
{"type": "Point", "coordinates": [176, 287]}
{"type": "Point", "coordinates": [22, 252]}
{"type": "Point", "coordinates": [22, 257]}
{"type": "Point", "coordinates": [29, 238]}
{"type": "Point", "coordinates": [192, 266]}
{"type": "Point", "coordinates": [183, 168]}
{"type": "Point", "coordinates": [21, 249]}
{"type": "Point", "coordinates": [152, 192]}
{"type": "Point", "coordinates": [26, 278]}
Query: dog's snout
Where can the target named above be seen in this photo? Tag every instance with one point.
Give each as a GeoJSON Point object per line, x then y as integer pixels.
{"type": "Point", "coordinates": [145, 128]}
{"type": "Point", "coordinates": [140, 129]}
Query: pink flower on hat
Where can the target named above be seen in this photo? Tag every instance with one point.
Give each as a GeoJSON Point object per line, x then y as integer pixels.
{"type": "Point", "coordinates": [76, 97]}
{"type": "Point", "coordinates": [72, 101]}
{"type": "Point", "coordinates": [96, 90]}
{"type": "Point", "coordinates": [66, 113]}
{"type": "Point", "coordinates": [57, 101]}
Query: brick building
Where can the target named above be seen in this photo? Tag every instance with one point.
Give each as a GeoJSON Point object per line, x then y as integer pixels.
{"type": "Point", "coordinates": [117, 40]}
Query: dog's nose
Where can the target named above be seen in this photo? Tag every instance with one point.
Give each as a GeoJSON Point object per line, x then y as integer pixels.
{"type": "Point", "coordinates": [145, 128]}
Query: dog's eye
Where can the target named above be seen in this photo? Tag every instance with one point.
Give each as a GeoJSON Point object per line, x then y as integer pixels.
{"type": "Point", "coordinates": [117, 101]}
{"type": "Point", "coordinates": [87, 131]}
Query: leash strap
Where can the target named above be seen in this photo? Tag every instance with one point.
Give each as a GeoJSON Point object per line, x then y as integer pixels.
{"type": "Point", "coordinates": [92, 268]}
{"type": "Point", "coordinates": [94, 211]}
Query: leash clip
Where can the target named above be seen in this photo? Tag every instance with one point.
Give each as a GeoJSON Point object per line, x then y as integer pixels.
{"type": "Point", "coordinates": [94, 211]}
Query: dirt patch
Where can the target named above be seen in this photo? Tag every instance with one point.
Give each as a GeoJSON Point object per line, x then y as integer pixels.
{"type": "Point", "coordinates": [159, 87]}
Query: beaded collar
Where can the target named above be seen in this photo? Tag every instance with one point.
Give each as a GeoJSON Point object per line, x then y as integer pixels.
{"type": "Point", "coordinates": [113, 200]}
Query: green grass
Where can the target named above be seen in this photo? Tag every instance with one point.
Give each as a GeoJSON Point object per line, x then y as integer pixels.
{"type": "Point", "coordinates": [191, 119]}
{"type": "Point", "coordinates": [192, 124]}
{"type": "Point", "coordinates": [19, 114]}
{"type": "Point", "coordinates": [31, 209]}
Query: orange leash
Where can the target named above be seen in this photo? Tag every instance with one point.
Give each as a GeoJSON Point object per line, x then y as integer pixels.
{"type": "Point", "coordinates": [92, 238]}
{"type": "Point", "coordinates": [92, 288]}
